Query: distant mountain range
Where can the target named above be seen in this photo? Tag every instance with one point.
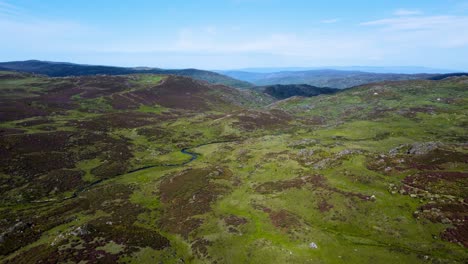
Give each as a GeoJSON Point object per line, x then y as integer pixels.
{"type": "Point", "coordinates": [61, 69]}
{"type": "Point", "coordinates": [332, 78]}
{"type": "Point", "coordinates": [324, 78]}
{"type": "Point", "coordinates": [373, 69]}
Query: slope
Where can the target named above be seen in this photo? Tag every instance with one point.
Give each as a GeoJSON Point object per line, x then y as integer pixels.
{"type": "Point", "coordinates": [280, 91]}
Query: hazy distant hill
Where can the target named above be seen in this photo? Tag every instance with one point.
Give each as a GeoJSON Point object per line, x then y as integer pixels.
{"type": "Point", "coordinates": [373, 69]}
{"type": "Point", "coordinates": [443, 76]}
{"type": "Point", "coordinates": [61, 69]}
{"type": "Point", "coordinates": [322, 78]}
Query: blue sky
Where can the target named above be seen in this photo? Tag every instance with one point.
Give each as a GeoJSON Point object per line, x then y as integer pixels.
{"type": "Point", "coordinates": [229, 34]}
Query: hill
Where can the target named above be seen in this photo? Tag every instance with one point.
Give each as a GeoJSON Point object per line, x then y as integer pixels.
{"type": "Point", "coordinates": [145, 168]}
{"type": "Point", "coordinates": [62, 69]}
{"type": "Point", "coordinates": [448, 75]}
{"type": "Point", "coordinates": [373, 69]}
{"type": "Point", "coordinates": [322, 78]}
{"type": "Point", "coordinates": [280, 91]}
{"type": "Point", "coordinates": [27, 95]}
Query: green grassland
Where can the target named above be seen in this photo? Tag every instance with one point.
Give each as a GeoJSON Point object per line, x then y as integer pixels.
{"type": "Point", "coordinates": [258, 182]}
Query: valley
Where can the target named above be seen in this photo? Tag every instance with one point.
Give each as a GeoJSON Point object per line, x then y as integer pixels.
{"type": "Point", "coordinates": [164, 168]}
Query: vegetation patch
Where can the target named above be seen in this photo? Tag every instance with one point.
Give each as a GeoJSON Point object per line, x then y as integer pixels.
{"type": "Point", "coordinates": [313, 182]}
{"type": "Point", "coordinates": [188, 194]}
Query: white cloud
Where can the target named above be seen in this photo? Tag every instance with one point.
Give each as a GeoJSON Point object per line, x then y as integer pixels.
{"type": "Point", "coordinates": [330, 21]}
{"type": "Point", "coordinates": [16, 23]}
{"type": "Point", "coordinates": [316, 46]}
{"type": "Point", "coordinates": [424, 31]}
{"type": "Point", "coordinates": [407, 12]}
{"type": "Point", "coordinates": [420, 22]}
{"type": "Point", "coordinates": [7, 9]}
{"type": "Point", "coordinates": [39, 35]}
{"type": "Point", "coordinates": [228, 42]}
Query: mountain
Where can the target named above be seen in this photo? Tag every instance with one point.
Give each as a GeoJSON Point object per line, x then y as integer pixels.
{"type": "Point", "coordinates": [62, 69]}
{"type": "Point", "coordinates": [395, 69]}
{"type": "Point", "coordinates": [448, 75]}
{"type": "Point", "coordinates": [373, 69]}
{"type": "Point", "coordinates": [280, 91]}
{"type": "Point", "coordinates": [322, 78]}
{"type": "Point", "coordinates": [151, 168]}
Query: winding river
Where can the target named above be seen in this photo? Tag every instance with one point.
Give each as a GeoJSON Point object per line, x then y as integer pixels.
{"type": "Point", "coordinates": [186, 151]}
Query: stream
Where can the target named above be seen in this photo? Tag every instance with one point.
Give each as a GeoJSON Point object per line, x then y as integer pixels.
{"type": "Point", "coordinates": [186, 151]}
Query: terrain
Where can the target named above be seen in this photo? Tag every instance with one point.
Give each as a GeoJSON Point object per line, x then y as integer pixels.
{"type": "Point", "coordinates": [157, 168]}
{"type": "Point", "coordinates": [62, 69]}
{"type": "Point", "coordinates": [326, 77]}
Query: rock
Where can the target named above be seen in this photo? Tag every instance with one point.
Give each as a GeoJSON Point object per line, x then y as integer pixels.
{"type": "Point", "coordinates": [348, 152]}
{"type": "Point", "coordinates": [19, 225]}
{"type": "Point", "coordinates": [214, 173]}
{"type": "Point", "coordinates": [80, 231]}
{"type": "Point", "coordinates": [313, 245]}
{"type": "Point", "coordinates": [304, 142]}
{"type": "Point", "coordinates": [446, 221]}
{"type": "Point", "coordinates": [345, 152]}
{"type": "Point", "coordinates": [423, 148]}
{"type": "Point", "coordinates": [322, 164]}
{"type": "Point", "coordinates": [416, 148]}
{"type": "Point", "coordinates": [306, 152]}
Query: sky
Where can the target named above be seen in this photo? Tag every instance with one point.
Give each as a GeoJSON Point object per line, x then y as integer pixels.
{"type": "Point", "coordinates": [231, 34]}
